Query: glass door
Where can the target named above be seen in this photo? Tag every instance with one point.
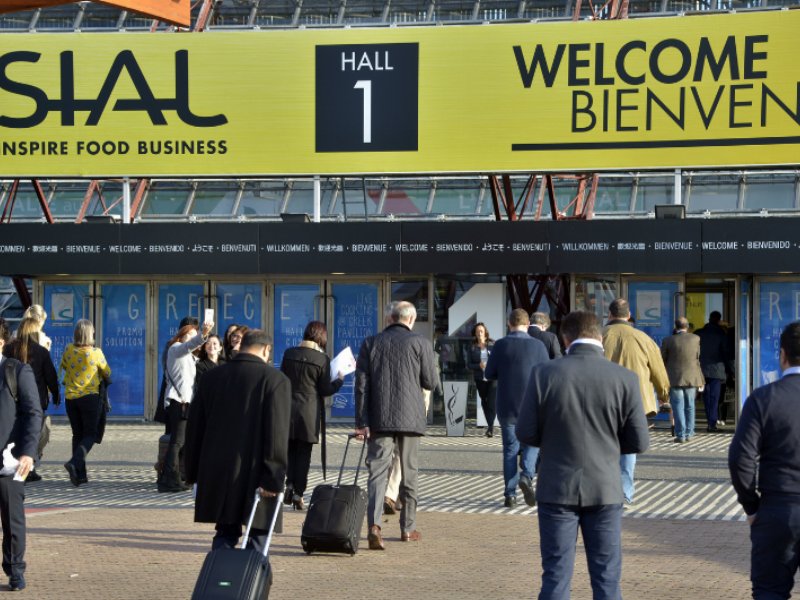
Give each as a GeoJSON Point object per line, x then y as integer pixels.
{"type": "Point", "coordinates": [654, 305]}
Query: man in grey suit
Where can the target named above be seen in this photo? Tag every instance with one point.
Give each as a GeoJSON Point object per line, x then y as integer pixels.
{"type": "Point", "coordinates": [681, 353]}
{"type": "Point", "coordinates": [510, 363]}
{"type": "Point", "coordinates": [582, 411]}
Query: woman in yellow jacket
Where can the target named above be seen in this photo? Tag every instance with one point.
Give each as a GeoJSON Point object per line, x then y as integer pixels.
{"type": "Point", "coordinates": [83, 366]}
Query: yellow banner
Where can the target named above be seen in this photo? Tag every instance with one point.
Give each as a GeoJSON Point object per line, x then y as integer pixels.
{"type": "Point", "coordinates": [691, 92]}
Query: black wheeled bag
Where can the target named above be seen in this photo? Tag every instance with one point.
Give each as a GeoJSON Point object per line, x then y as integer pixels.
{"type": "Point", "coordinates": [336, 514]}
{"type": "Point", "coordinates": [238, 573]}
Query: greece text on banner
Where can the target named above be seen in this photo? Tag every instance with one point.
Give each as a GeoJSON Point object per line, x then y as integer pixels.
{"type": "Point", "coordinates": [704, 91]}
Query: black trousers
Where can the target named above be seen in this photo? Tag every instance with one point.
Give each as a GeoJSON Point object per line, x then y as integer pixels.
{"type": "Point", "coordinates": [487, 391]}
{"type": "Point", "coordinates": [84, 418]}
{"type": "Point", "coordinates": [775, 552]}
{"type": "Point", "coordinates": [177, 413]}
{"type": "Point", "coordinates": [299, 464]}
{"type": "Point", "coordinates": [12, 513]}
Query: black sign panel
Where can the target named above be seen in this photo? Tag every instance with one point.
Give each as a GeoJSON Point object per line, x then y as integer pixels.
{"type": "Point", "coordinates": [330, 248]}
{"type": "Point", "coordinates": [475, 247]}
{"type": "Point", "coordinates": [367, 97]}
{"type": "Point", "coordinates": [751, 245]}
{"type": "Point", "coordinates": [47, 249]}
{"type": "Point", "coordinates": [762, 245]}
{"type": "Point", "coordinates": [630, 246]}
{"type": "Point", "coordinates": [188, 248]}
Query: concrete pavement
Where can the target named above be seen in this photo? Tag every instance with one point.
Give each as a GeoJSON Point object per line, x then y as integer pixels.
{"type": "Point", "coordinates": [116, 538]}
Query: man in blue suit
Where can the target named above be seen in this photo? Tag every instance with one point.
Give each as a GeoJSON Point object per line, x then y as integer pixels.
{"type": "Point", "coordinates": [582, 411]}
{"type": "Point", "coordinates": [511, 363]}
{"type": "Point", "coordinates": [764, 461]}
{"type": "Point", "coordinates": [20, 424]}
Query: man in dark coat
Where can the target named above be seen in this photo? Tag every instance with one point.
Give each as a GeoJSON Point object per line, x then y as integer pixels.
{"type": "Point", "coordinates": [510, 363]}
{"type": "Point", "coordinates": [392, 369]}
{"type": "Point", "coordinates": [540, 323]}
{"type": "Point", "coordinates": [20, 424]}
{"type": "Point", "coordinates": [714, 362]}
{"type": "Point", "coordinates": [237, 441]}
{"type": "Point", "coordinates": [583, 411]}
{"type": "Point", "coordinates": [764, 462]}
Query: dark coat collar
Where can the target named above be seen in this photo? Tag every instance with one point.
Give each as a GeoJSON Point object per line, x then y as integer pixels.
{"type": "Point", "coordinates": [585, 350]}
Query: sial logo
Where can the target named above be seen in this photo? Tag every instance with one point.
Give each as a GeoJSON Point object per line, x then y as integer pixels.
{"type": "Point", "coordinates": [68, 104]}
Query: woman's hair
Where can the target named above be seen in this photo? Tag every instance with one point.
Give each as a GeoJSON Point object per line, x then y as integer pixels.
{"type": "Point", "coordinates": [27, 332]}
{"type": "Point", "coordinates": [181, 332]}
{"type": "Point", "coordinates": [317, 333]}
{"type": "Point", "coordinates": [203, 354]}
{"type": "Point", "coordinates": [475, 332]}
{"type": "Point", "coordinates": [35, 311]}
{"type": "Point", "coordinates": [84, 333]}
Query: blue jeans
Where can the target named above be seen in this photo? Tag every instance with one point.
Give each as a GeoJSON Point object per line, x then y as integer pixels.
{"type": "Point", "coordinates": [711, 400]}
{"type": "Point", "coordinates": [512, 448]}
{"type": "Point", "coordinates": [601, 528]}
{"type": "Point", "coordinates": [682, 401]}
{"type": "Point", "coordinates": [627, 463]}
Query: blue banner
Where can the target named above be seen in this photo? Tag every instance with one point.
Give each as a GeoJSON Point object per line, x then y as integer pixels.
{"type": "Point", "coordinates": [653, 307]}
{"type": "Point", "coordinates": [175, 301]}
{"type": "Point", "coordinates": [294, 306]}
{"type": "Point", "coordinates": [355, 317]}
{"type": "Point", "coordinates": [65, 305]}
{"type": "Point", "coordinates": [238, 304]}
{"type": "Point", "coordinates": [124, 334]}
{"type": "Point", "coordinates": [778, 305]}
{"type": "Point", "coordinates": [743, 338]}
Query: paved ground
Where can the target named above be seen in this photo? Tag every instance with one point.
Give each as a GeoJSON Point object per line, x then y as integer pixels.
{"type": "Point", "coordinates": [116, 538]}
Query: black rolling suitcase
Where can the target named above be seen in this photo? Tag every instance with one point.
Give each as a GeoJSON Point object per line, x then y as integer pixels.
{"type": "Point", "coordinates": [238, 574]}
{"type": "Point", "coordinates": [336, 514]}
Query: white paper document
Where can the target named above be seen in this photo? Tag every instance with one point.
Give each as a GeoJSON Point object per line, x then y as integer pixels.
{"type": "Point", "coordinates": [344, 363]}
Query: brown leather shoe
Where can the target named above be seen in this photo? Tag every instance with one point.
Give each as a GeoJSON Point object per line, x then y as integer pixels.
{"type": "Point", "coordinates": [410, 536]}
{"type": "Point", "coordinates": [375, 539]}
{"type": "Point", "coordinates": [389, 506]}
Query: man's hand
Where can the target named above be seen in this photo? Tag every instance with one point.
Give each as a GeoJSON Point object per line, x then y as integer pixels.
{"type": "Point", "coordinates": [266, 493]}
{"type": "Point", "coordinates": [25, 466]}
{"type": "Point", "coordinates": [751, 518]}
{"type": "Point", "coordinates": [362, 433]}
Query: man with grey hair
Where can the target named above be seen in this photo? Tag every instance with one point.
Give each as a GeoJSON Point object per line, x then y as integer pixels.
{"type": "Point", "coordinates": [540, 323]}
{"type": "Point", "coordinates": [391, 369]}
{"type": "Point", "coordinates": [681, 354]}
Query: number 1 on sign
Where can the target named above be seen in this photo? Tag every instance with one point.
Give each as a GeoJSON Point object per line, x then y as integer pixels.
{"type": "Point", "coordinates": [366, 86]}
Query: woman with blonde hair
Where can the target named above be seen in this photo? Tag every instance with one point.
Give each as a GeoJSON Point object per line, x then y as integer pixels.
{"type": "Point", "coordinates": [39, 316]}
{"type": "Point", "coordinates": [83, 367]}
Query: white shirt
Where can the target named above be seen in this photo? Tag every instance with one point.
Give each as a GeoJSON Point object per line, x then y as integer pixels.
{"type": "Point", "coordinates": [591, 341]}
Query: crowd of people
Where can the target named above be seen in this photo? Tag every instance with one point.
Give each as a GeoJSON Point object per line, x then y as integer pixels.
{"type": "Point", "coordinates": [572, 415]}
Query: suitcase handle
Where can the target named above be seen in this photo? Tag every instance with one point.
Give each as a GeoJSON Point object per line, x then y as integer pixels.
{"type": "Point", "coordinates": [246, 538]}
{"type": "Point", "coordinates": [351, 436]}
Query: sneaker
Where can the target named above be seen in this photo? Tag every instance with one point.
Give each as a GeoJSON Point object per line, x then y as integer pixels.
{"type": "Point", "coordinates": [526, 485]}
{"type": "Point", "coordinates": [679, 440]}
{"type": "Point", "coordinates": [720, 423]}
{"type": "Point", "coordinates": [16, 584]}
{"type": "Point", "coordinates": [510, 502]}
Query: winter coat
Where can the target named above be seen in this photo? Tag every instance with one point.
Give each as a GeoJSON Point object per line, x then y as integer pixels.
{"type": "Point", "coordinates": [392, 369]}
{"type": "Point", "coordinates": [44, 371]}
{"type": "Point", "coordinates": [713, 351]}
{"type": "Point", "coordinates": [309, 370]}
{"type": "Point", "coordinates": [181, 366]}
{"type": "Point", "coordinates": [635, 350]}
{"type": "Point", "coordinates": [237, 439]}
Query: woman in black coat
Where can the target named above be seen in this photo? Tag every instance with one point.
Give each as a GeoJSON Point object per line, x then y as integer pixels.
{"type": "Point", "coordinates": [309, 369]}
{"type": "Point", "coordinates": [25, 349]}
{"type": "Point", "coordinates": [478, 357]}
